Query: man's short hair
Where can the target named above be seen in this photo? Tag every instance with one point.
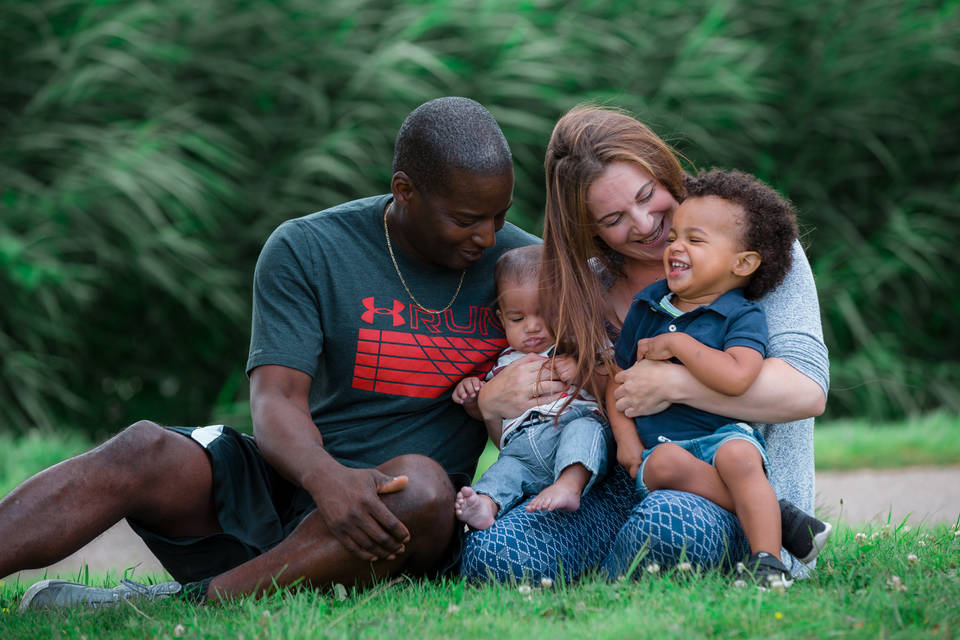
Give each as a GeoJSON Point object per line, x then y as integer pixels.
{"type": "Point", "coordinates": [769, 224]}
{"type": "Point", "coordinates": [447, 134]}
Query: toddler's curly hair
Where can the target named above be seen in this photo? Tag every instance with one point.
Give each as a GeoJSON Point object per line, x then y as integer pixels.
{"type": "Point", "coordinates": [769, 222]}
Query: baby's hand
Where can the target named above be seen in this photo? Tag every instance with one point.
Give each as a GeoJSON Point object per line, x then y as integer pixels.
{"type": "Point", "coordinates": [467, 390]}
{"type": "Point", "coordinates": [655, 348]}
{"type": "Point", "coordinates": [565, 369]}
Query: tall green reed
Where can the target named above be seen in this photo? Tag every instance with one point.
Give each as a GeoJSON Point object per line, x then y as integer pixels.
{"type": "Point", "coordinates": [148, 149]}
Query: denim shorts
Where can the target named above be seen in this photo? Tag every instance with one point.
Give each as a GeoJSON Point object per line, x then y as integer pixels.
{"type": "Point", "coordinates": [705, 448]}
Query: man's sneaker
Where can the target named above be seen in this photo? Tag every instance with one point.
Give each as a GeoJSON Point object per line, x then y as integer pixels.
{"type": "Point", "coordinates": [767, 570]}
{"type": "Point", "coordinates": [802, 535]}
{"type": "Point", "coordinates": [60, 593]}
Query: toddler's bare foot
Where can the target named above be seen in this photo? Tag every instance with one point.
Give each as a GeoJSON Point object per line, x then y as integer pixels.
{"type": "Point", "coordinates": [476, 509]}
{"type": "Point", "coordinates": [556, 496]}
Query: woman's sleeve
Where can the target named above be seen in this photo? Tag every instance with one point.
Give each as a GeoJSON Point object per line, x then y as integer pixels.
{"type": "Point", "coordinates": [793, 318]}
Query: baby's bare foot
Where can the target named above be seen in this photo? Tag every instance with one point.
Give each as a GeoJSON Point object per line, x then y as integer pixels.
{"type": "Point", "coordinates": [476, 509]}
{"type": "Point", "coordinates": [556, 496]}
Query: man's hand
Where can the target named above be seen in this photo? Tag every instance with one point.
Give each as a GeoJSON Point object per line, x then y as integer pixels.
{"type": "Point", "coordinates": [466, 390]}
{"type": "Point", "coordinates": [348, 501]}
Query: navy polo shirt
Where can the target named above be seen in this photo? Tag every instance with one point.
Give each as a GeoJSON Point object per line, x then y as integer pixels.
{"type": "Point", "coordinates": [729, 321]}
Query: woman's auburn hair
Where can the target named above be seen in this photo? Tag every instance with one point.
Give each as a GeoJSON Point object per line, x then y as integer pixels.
{"type": "Point", "coordinates": [583, 144]}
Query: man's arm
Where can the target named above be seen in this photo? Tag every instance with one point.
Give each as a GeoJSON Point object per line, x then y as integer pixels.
{"type": "Point", "coordinates": [730, 372]}
{"type": "Point", "coordinates": [347, 499]}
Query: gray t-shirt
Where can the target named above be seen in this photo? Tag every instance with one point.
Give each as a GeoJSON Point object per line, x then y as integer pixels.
{"type": "Point", "coordinates": [328, 302]}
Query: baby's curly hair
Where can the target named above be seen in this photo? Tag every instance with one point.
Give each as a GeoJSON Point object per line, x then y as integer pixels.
{"type": "Point", "coordinates": [770, 222]}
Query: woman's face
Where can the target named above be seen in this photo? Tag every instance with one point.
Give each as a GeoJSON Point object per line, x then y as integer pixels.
{"type": "Point", "coordinates": [632, 211]}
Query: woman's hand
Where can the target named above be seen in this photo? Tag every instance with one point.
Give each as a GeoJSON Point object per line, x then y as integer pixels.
{"type": "Point", "coordinates": [650, 386]}
{"type": "Point", "coordinates": [645, 388]}
{"type": "Point", "coordinates": [522, 384]}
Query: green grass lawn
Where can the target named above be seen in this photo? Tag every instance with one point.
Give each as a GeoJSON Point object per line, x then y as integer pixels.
{"type": "Point", "coordinates": [866, 586]}
{"type": "Point", "coordinates": [930, 440]}
{"type": "Point", "coordinates": [888, 582]}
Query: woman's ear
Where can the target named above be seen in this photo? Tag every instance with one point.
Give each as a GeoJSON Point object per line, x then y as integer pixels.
{"type": "Point", "coordinates": [745, 263]}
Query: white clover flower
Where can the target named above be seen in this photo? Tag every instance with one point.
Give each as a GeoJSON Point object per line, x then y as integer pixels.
{"type": "Point", "coordinates": [453, 608]}
{"type": "Point", "coordinates": [874, 535]}
{"type": "Point", "coordinates": [921, 543]}
{"type": "Point", "coordinates": [546, 583]}
{"type": "Point", "coordinates": [912, 558]}
{"type": "Point", "coordinates": [741, 567]}
{"type": "Point", "coordinates": [524, 589]}
{"type": "Point", "coordinates": [739, 584]}
{"type": "Point", "coordinates": [906, 528]}
{"type": "Point", "coordinates": [860, 538]}
{"type": "Point", "coordinates": [684, 567]}
{"type": "Point", "coordinates": [956, 533]}
{"type": "Point", "coordinates": [179, 630]}
{"type": "Point", "coordinates": [896, 584]}
{"type": "Point", "coordinates": [652, 568]}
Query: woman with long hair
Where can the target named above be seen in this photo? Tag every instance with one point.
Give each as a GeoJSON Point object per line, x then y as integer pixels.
{"type": "Point", "coordinates": [612, 187]}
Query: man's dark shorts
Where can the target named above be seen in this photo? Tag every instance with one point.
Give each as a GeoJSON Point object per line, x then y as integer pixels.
{"type": "Point", "coordinates": [257, 508]}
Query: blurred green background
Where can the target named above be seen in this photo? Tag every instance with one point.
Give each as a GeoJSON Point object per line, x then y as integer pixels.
{"type": "Point", "coordinates": [147, 149]}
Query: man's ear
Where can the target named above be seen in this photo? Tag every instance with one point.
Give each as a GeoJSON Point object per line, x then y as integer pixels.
{"type": "Point", "coordinates": [745, 263]}
{"type": "Point", "coordinates": [402, 188]}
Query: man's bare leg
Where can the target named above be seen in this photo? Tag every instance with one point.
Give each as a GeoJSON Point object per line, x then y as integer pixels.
{"type": "Point", "coordinates": [157, 477]}
{"type": "Point", "coordinates": [312, 555]}
{"type": "Point", "coordinates": [564, 493]}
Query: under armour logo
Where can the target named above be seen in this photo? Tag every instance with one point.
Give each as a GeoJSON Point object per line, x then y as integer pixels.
{"type": "Point", "coordinates": [371, 310]}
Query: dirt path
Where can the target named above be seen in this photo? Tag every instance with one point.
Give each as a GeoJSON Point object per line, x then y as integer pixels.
{"type": "Point", "coordinates": [922, 495]}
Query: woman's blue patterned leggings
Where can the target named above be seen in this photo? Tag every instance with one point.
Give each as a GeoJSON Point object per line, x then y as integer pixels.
{"type": "Point", "coordinates": [606, 533]}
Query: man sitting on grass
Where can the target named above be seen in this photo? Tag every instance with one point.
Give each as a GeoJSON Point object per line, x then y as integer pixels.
{"type": "Point", "coordinates": [365, 317]}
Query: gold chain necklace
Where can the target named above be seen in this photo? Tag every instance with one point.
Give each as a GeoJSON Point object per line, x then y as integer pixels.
{"type": "Point", "coordinates": [386, 232]}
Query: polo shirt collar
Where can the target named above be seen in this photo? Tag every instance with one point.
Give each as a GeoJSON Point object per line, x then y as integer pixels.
{"type": "Point", "coordinates": [725, 305]}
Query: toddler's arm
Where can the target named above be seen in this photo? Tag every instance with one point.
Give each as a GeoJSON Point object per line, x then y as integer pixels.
{"type": "Point", "coordinates": [629, 447]}
{"type": "Point", "coordinates": [730, 372]}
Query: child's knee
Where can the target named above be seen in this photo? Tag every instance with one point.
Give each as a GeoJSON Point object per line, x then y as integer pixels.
{"type": "Point", "coordinates": [665, 466]}
{"type": "Point", "coordinates": [739, 457]}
